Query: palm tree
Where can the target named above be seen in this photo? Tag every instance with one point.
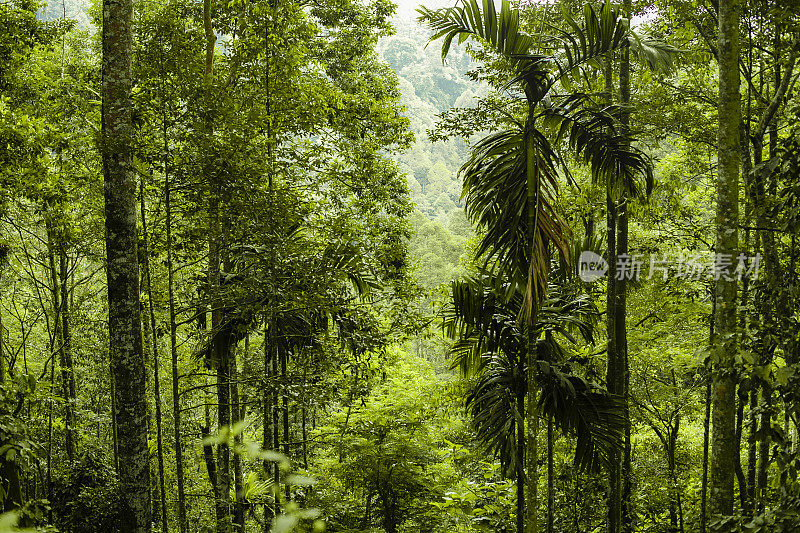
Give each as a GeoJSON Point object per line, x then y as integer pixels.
{"type": "Point", "coordinates": [522, 161]}
{"type": "Point", "coordinates": [511, 178]}
{"type": "Point", "coordinates": [491, 348]}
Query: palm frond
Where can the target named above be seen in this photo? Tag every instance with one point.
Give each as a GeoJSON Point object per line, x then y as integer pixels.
{"type": "Point", "coordinates": [500, 31]}
{"type": "Point", "coordinates": [597, 137]}
{"type": "Point", "coordinates": [657, 55]}
{"type": "Point", "coordinates": [594, 417]}
{"type": "Point", "coordinates": [587, 43]}
{"type": "Point", "coordinates": [492, 403]}
{"type": "Point", "coordinates": [496, 196]}
{"type": "Point", "coordinates": [348, 260]}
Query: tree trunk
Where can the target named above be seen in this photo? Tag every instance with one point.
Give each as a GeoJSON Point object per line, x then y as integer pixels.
{"type": "Point", "coordinates": [752, 423]}
{"type": "Point", "coordinates": [550, 480]}
{"type": "Point", "coordinates": [58, 344]}
{"type": "Point", "coordinates": [528, 365]}
{"type": "Point", "coordinates": [737, 462]}
{"type": "Point", "coordinates": [284, 357]}
{"type": "Point", "coordinates": [221, 345]}
{"type": "Point", "coordinates": [156, 374]}
{"type": "Point", "coordinates": [220, 334]}
{"type": "Point", "coordinates": [173, 346]}
{"type": "Point", "coordinates": [208, 457]}
{"type": "Point", "coordinates": [531, 455]}
{"type": "Point", "coordinates": [704, 483]}
{"type": "Point", "coordinates": [124, 321]}
{"type": "Point", "coordinates": [304, 417]}
{"type": "Point", "coordinates": [614, 368]}
{"type": "Point", "coordinates": [67, 366]}
{"type": "Point", "coordinates": [268, 408]}
{"type": "Point", "coordinates": [520, 462]}
{"type": "Point", "coordinates": [621, 326]}
{"type": "Point", "coordinates": [707, 418]}
{"type": "Point", "coordinates": [236, 417]}
{"type": "Point", "coordinates": [724, 431]}
{"type": "Point", "coordinates": [675, 512]}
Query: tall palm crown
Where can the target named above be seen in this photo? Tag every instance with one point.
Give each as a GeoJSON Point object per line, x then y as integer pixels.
{"type": "Point", "coordinates": [511, 177]}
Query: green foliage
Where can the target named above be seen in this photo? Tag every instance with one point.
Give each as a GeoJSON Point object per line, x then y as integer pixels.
{"type": "Point", "coordinates": [87, 498]}
{"type": "Point", "coordinates": [387, 470]}
{"type": "Point", "coordinates": [322, 159]}
{"type": "Point", "coordinates": [490, 345]}
{"type": "Point", "coordinates": [486, 504]}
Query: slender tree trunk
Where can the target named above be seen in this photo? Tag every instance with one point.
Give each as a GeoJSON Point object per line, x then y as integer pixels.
{"type": "Point", "coordinates": [614, 368]}
{"type": "Point", "coordinates": [675, 511]}
{"type": "Point", "coordinates": [125, 340]}
{"type": "Point", "coordinates": [520, 462]}
{"type": "Point", "coordinates": [221, 356]}
{"type": "Point", "coordinates": [763, 446]}
{"type": "Point", "coordinates": [173, 345]}
{"type": "Point", "coordinates": [621, 326]}
{"type": "Point", "coordinates": [284, 357]}
{"type": "Point", "coordinates": [724, 431]}
{"type": "Point", "coordinates": [220, 334]}
{"type": "Point", "coordinates": [304, 419]}
{"type": "Point", "coordinates": [529, 413]}
{"type": "Point", "coordinates": [673, 504]}
{"type": "Point", "coordinates": [268, 407]}
{"type": "Point", "coordinates": [67, 366]}
{"type": "Point", "coordinates": [156, 374]}
{"type": "Point", "coordinates": [550, 480]}
{"type": "Point", "coordinates": [737, 462]}
{"type": "Point", "coordinates": [236, 417]}
{"type": "Point", "coordinates": [208, 457]}
{"type": "Point", "coordinates": [276, 430]}
{"type": "Point", "coordinates": [704, 483]}
{"type": "Point", "coordinates": [531, 454]}
{"type": "Point", "coordinates": [59, 307]}
{"type": "Point", "coordinates": [50, 434]}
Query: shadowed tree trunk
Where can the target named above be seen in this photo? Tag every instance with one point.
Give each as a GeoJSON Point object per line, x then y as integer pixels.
{"type": "Point", "coordinates": [54, 247]}
{"type": "Point", "coordinates": [67, 366]}
{"type": "Point", "coordinates": [124, 320]}
{"type": "Point", "coordinates": [220, 333]}
{"type": "Point", "coordinates": [283, 354]}
{"type": "Point", "coordinates": [723, 436]}
{"type": "Point", "coordinates": [268, 408]}
{"type": "Point", "coordinates": [236, 416]}
{"type": "Point", "coordinates": [621, 327]}
{"type": "Point", "coordinates": [550, 480]}
{"type": "Point", "coordinates": [156, 373]}
{"type": "Point", "coordinates": [737, 461]}
{"type": "Point", "coordinates": [614, 368]}
{"type": "Point", "coordinates": [183, 523]}
{"type": "Point", "coordinates": [520, 462]}
{"type": "Point", "coordinates": [9, 471]}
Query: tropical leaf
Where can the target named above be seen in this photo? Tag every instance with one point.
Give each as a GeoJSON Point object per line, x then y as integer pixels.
{"type": "Point", "coordinates": [597, 137]}
{"type": "Point", "coordinates": [489, 348]}
{"type": "Point", "coordinates": [591, 415]}
{"type": "Point", "coordinates": [500, 31]}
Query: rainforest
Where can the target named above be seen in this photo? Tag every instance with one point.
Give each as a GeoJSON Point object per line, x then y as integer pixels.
{"type": "Point", "coordinates": [399, 266]}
